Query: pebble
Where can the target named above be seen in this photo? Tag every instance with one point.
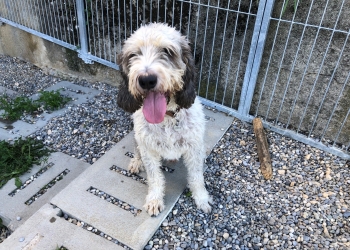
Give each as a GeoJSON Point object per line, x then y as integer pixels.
{"type": "Point", "coordinates": [281, 171]}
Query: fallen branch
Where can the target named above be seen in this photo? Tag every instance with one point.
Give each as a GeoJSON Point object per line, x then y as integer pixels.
{"type": "Point", "coordinates": [263, 149]}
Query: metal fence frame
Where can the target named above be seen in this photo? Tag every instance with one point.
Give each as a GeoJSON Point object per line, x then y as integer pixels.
{"type": "Point", "coordinates": [262, 21]}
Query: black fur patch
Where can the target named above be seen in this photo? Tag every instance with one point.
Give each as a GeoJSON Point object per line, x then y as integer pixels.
{"type": "Point", "coordinates": [125, 100]}
{"type": "Point", "coordinates": [185, 97]}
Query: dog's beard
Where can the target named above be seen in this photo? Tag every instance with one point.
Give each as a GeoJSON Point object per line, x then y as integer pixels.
{"type": "Point", "coordinates": [154, 107]}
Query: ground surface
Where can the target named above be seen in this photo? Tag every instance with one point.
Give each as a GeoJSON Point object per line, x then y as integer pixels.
{"type": "Point", "coordinates": [305, 206]}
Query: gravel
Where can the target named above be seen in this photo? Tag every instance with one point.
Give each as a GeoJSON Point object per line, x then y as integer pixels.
{"type": "Point", "coordinates": [305, 206]}
{"type": "Point", "coordinates": [23, 77]}
{"type": "Point", "coordinates": [88, 130]}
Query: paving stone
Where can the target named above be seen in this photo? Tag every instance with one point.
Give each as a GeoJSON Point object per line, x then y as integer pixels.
{"type": "Point", "coordinates": [45, 230]}
{"type": "Point", "coordinates": [133, 231]}
{"type": "Point", "coordinates": [12, 207]}
{"type": "Point", "coordinates": [20, 128]}
{"type": "Point", "coordinates": [7, 91]}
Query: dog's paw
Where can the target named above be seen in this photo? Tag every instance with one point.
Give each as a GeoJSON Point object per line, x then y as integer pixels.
{"type": "Point", "coordinates": [154, 207]}
{"type": "Point", "coordinates": [135, 166]}
{"type": "Point", "coordinates": [203, 203]}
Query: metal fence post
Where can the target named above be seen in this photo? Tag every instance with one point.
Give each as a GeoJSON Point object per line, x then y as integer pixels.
{"type": "Point", "coordinates": [255, 55]}
{"type": "Point", "coordinates": [83, 52]}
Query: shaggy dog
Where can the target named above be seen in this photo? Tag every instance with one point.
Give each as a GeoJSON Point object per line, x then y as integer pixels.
{"type": "Point", "coordinates": [169, 122]}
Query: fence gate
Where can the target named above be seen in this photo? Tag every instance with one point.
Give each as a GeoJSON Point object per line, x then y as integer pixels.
{"type": "Point", "coordinates": [286, 62]}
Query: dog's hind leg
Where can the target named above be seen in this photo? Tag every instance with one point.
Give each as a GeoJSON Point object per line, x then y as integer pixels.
{"type": "Point", "coordinates": [194, 160]}
{"type": "Point", "coordinates": [135, 164]}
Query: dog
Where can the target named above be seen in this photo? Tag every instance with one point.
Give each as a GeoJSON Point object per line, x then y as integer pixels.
{"type": "Point", "coordinates": [158, 88]}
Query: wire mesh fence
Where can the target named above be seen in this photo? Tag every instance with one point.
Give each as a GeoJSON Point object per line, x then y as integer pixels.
{"type": "Point", "coordinates": [286, 62]}
{"type": "Point", "coordinates": [303, 83]}
{"type": "Point", "coordinates": [55, 19]}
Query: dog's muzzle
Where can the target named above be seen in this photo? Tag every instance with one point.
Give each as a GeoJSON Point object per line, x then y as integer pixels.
{"type": "Point", "coordinates": [148, 82]}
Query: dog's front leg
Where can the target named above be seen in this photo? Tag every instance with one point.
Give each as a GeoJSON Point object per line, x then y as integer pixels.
{"type": "Point", "coordinates": [194, 160]}
{"type": "Point", "coordinates": [135, 165]}
{"type": "Point", "coordinates": [156, 182]}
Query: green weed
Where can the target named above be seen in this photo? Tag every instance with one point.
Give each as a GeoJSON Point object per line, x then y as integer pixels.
{"type": "Point", "coordinates": [15, 108]}
{"type": "Point", "coordinates": [19, 157]}
{"type": "Point", "coordinates": [52, 99]}
{"type": "Point", "coordinates": [188, 194]}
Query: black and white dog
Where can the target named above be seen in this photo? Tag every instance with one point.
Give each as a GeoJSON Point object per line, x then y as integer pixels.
{"type": "Point", "coordinates": [169, 122]}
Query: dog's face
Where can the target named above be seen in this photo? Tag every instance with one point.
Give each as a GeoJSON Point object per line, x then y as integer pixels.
{"type": "Point", "coordinates": [158, 65]}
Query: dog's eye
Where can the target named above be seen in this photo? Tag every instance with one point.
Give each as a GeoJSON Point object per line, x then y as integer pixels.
{"type": "Point", "coordinates": [132, 55]}
{"type": "Point", "coordinates": [167, 52]}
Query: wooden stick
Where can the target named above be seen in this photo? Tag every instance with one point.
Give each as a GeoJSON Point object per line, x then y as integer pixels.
{"type": "Point", "coordinates": [263, 149]}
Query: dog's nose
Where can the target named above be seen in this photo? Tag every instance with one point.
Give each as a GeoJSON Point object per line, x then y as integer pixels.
{"type": "Point", "coordinates": [148, 82]}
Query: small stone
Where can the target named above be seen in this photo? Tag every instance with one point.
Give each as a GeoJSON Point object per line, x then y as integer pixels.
{"type": "Point", "coordinates": [307, 157]}
{"type": "Point", "coordinates": [21, 239]}
{"type": "Point", "coordinates": [272, 221]}
{"type": "Point", "coordinates": [225, 235]}
{"type": "Point", "coordinates": [281, 171]}
{"type": "Point", "coordinates": [242, 143]}
{"type": "Point", "coordinates": [18, 218]}
{"type": "Point", "coordinates": [328, 174]}
{"type": "Point", "coordinates": [49, 132]}
{"type": "Point", "coordinates": [175, 212]}
{"type": "Point", "coordinates": [89, 228]}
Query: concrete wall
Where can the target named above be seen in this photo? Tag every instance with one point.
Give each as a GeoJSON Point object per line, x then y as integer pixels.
{"type": "Point", "coordinates": [52, 58]}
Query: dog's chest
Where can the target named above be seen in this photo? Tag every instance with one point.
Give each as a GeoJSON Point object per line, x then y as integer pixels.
{"type": "Point", "coordinates": [171, 138]}
{"type": "Point", "coordinates": [171, 134]}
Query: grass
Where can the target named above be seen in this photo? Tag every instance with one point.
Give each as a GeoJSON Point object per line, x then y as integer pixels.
{"type": "Point", "coordinates": [19, 157]}
{"type": "Point", "coordinates": [295, 6]}
{"type": "Point", "coordinates": [15, 108]}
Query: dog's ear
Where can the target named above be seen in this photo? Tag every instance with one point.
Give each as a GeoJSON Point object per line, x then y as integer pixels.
{"type": "Point", "coordinates": [125, 99]}
{"type": "Point", "coordinates": [185, 97]}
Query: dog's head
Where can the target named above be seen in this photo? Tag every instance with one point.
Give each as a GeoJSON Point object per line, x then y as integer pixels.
{"type": "Point", "coordinates": [157, 65]}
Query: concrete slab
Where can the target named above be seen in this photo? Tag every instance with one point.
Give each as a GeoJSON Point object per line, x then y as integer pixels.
{"type": "Point", "coordinates": [7, 91]}
{"type": "Point", "coordinates": [13, 206]}
{"type": "Point", "coordinates": [45, 230]}
{"type": "Point", "coordinates": [133, 231]}
{"type": "Point", "coordinates": [20, 128]}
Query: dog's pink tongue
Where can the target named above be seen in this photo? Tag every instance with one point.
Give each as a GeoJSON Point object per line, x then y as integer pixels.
{"type": "Point", "coordinates": [154, 107]}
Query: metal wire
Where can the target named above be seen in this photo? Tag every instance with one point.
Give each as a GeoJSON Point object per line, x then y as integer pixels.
{"type": "Point", "coordinates": [280, 67]}
{"type": "Point", "coordinates": [313, 87]}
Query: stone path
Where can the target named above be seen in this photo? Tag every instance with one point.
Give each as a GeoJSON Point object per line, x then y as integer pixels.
{"type": "Point", "coordinates": [103, 196]}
